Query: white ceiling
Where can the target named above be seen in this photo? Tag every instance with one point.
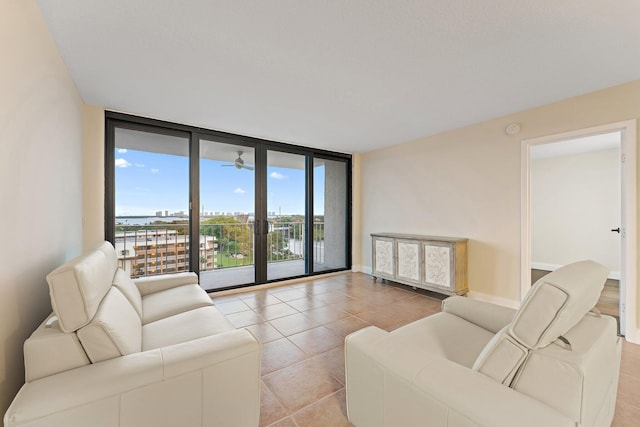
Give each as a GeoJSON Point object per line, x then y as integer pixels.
{"type": "Point", "coordinates": [349, 76]}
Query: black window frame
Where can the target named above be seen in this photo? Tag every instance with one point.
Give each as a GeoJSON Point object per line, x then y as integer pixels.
{"type": "Point", "coordinates": [194, 134]}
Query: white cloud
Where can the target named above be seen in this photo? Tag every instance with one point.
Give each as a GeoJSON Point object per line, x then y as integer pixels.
{"type": "Point", "coordinates": [122, 150]}
{"type": "Point", "coordinates": [239, 191]}
{"type": "Point", "coordinates": [122, 163]}
{"type": "Point", "coordinates": [276, 175]}
{"type": "Point", "coordinates": [138, 165]}
{"type": "Point", "coordinates": [155, 170]}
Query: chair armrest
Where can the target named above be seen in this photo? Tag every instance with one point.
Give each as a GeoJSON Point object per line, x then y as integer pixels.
{"type": "Point", "coordinates": [151, 284]}
{"type": "Point", "coordinates": [121, 378]}
{"type": "Point", "coordinates": [491, 317]}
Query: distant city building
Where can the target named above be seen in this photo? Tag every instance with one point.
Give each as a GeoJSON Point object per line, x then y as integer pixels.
{"type": "Point", "coordinates": [161, 251]}
{"type": "Point", "coordinates": [166, 213]}
{"type": "Point", "coordinates": [159, 213]}
{"type": "Point", "coordinates": [242, 218]}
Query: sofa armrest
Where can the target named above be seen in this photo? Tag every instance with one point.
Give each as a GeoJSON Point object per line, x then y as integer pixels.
{"type": "Point", "coordinates": [140, 384]}
{"type": "Point", "coordinates": [150, 284]}
{"type": "Point", "coordinates": [491, 317]}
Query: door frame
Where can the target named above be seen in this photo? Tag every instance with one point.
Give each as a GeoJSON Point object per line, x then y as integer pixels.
{"type": "Point", "coordinates": [628, 258]}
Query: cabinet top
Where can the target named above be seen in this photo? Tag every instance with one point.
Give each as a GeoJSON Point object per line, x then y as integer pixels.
{"type": "Point", "coordinates": [420, 237]}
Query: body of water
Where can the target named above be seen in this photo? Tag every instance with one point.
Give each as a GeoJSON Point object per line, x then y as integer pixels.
{"type": "Point", "coordinates": [147, 220]}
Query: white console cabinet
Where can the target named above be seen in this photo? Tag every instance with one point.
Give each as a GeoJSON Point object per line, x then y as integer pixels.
{"type": "Point", "coordinates": [434, 263]}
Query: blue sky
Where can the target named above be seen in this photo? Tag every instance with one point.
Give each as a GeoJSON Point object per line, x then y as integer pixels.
{"type": "Point", "coordinates": [149, 182]}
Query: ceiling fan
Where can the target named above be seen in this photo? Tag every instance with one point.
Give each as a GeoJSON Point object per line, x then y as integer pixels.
{"type": "Point", "coordinates": [239, 163]}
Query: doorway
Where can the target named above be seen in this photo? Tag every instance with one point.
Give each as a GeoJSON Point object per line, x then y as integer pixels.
{"type": "Point", "coordinates": [578, 202]}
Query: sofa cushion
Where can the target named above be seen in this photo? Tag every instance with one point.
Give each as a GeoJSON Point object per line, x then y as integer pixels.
{"type": "Point", "coordinates": [114, 331]}
{"type": "Point", "coordinates": [190, 325]}
{"type": "Point", "coordinates": [122, 280]}
{"type": "Point", "coordinates": [557, 302]}
{"type": "Point", "coordinates": [172, 301]}
{"type": "Point", "coordinates": [77, 287]}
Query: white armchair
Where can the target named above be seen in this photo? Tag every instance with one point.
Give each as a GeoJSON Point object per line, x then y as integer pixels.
{"type": "Point", "coordinates": [551, 363]}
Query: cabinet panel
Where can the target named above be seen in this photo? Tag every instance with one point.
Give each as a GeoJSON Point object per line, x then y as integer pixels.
{"type": "Point", "coordinates": [438, 263]}
{"type": "Point", "coordinates": [383, 257]}
{"type": "Point", "coordinates": [409, 260]}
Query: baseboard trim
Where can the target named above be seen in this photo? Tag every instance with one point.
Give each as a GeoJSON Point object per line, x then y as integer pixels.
{"type": "Point", "coordinates": [361, 269]}
{"type": "Point", "coordinates": [494, 299]}
{"type": "Point", "coordinates": [613, 275]}
{"type": "Point", "coordinates": [270, 285]}
{"type": "Point", "coordinates": [632, 335]}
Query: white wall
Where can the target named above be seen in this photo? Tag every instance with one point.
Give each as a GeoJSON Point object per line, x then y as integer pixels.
{"type": "Point", "coordinates": [575, 202]}
{"type": "Point", "coordinates": [466, 183]}
{"type": "Point", "coordinates": [40, 179]}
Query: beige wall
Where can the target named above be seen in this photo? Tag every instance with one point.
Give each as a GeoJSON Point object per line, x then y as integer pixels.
{"type": "Point", "coordinates": [575, 202]}
{"type": "Point", "coordinates": [466, 182]}
{"type": "Point", "coordinates": [40, 179]}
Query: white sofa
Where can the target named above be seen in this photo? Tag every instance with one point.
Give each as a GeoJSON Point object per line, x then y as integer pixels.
{"type": "Point", "coordinates": [153, 351]}
{"type": "Point", "coordinates": [551, 363]}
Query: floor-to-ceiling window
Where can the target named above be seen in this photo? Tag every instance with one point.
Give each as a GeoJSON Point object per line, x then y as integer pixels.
{"type": "Point", "coordinates": [330, 214]}
{"type": "Point", "coordinates": [236, 210]}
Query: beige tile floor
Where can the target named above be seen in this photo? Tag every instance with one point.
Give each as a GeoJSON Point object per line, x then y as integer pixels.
{"type": "Point", "coordinates": [302, 329]}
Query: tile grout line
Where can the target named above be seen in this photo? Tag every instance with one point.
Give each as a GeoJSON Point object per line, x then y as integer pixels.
{"type": "Point", "coordinates": [316, 402]}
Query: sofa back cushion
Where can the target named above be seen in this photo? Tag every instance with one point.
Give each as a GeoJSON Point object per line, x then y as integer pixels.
{"type": "Point", "coordinates": [557, 302]}
{"type": "Point", "coordinates": [77, 287]}
{"type": "Point", "coordinates": [501, 357]}
{"type": "Point", "coordinates": [122, 281]}
{"type": "Point", "coordinates": [115, 330]}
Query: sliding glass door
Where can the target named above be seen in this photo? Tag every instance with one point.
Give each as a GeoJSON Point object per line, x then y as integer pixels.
{"type": "Point", "coordinates": [151, 183]}
{"type": "Point", "coordinates": [330, 214]}
{"type": "Point", "coordinates": [227, 214]}
{"type": "Point", "coordinates": [235, 210]}
{"type": "Point", "coordinates": [286, 217]}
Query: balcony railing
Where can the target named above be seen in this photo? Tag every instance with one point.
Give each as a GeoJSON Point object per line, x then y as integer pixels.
{"type": "Point", "coordinates": [145, 250]}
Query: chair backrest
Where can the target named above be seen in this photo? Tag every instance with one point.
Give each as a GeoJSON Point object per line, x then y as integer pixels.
{"type": "Point", "coordinates": [553, 305]}
{"type": "Point", "coordinates": [557, 302]}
